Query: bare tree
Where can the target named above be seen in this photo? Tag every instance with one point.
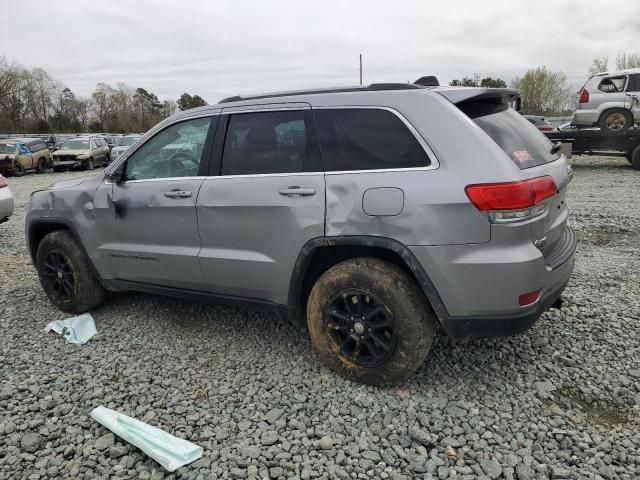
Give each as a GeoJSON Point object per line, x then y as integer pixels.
{"type": "Point", "coordinates": [599, 64]}
{"type": "Point", "coordinates": [626, 60]}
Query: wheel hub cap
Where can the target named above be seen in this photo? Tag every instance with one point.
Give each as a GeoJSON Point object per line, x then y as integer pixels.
{"type": "Point", "coordinates": [360, 327]}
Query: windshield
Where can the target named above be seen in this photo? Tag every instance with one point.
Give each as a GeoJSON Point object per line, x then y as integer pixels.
{"type": "Point", "coordinates": [7, 148]}
{"type": "Point", "coordinates": [127, 141]}
{"type": "Point", "coordinates": [518, 138]}
{"type": "Point", "coordinates": [77, 144]}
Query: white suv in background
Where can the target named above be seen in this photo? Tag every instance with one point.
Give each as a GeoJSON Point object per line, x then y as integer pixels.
{"type": "Point", "coordinates": [610, 101]}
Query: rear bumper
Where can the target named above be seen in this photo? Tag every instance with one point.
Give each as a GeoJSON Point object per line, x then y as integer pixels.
{"type": "Point", "coordinates": [487, 326]}
{"type": "Point", "coordinates": [480, 284]}
{"type": "Point", "coordinates": [585, 117]}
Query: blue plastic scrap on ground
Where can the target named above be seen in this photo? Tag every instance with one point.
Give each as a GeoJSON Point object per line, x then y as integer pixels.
{"type": "Point", "coordinates": [78, 329]}
{"type": "Point", "coordinates": [169, 451]}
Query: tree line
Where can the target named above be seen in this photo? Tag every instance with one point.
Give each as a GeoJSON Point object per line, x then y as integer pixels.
{"type": "Point", "coordinates": [33, 101]}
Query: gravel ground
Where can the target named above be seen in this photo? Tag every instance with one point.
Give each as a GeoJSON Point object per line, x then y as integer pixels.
{"type": "Point", "coordinates": [561, 401]}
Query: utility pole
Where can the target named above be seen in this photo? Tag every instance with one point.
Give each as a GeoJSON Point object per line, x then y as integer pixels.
{"type": "Point", "coordinates": [360, 69]}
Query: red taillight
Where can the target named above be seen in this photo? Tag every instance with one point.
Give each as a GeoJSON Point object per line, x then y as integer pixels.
{"type": "Point", "coordinates": [528, 298]}
{"type": "Point", "coordinates": [3, 182]}
{"type": "Point", "coordinates": [583, 95]}
{"type": "Point", "coordinates": [512, 195]}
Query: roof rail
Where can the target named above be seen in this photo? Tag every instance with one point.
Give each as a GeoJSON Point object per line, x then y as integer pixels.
{"type": "Point", "coordinates": [369, 88]}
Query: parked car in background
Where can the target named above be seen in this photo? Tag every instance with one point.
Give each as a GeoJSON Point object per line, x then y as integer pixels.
{"type": "Point", "coordinates": [81, 152]}
{"type": "Point", "coordinates": [331, 208]}
{"type": "Point", "coordinates": [610, 101]}
{"type": "Point", "coordinates": [123, 144]}
{"type": "Point", "coordinates": [539, 122]}
{"type": "Point", "coordinates": [111, 140]}
{"type": "Point", "coordinates": [27, 154]}
{"type": "Point", "coordinates": [7, 156]}
{"type": "Point", "coordinates": [6, 200]}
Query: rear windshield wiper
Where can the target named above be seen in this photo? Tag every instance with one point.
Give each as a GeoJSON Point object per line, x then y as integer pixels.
{"type": "Point", "coordinates": [556, 148]}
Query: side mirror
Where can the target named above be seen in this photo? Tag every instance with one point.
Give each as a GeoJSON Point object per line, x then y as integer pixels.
{"type": "Point", "coordinates": [118, 175]}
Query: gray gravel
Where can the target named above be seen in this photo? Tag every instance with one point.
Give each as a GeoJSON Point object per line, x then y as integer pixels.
{"type": "Point", "coordinates": [561, 401]}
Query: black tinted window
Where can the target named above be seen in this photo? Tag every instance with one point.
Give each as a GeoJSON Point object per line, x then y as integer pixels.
{"type": "Point", "coordinates": [268, 142]}
{"type": "Point", "coordinates": [367, 139]}
{"type": "Point", "coordinates": [634, 83]}
{"type": "Point", "coordinates": [520, 140]}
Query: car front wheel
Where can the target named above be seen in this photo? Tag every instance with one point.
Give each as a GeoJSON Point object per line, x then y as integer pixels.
{"type": "Point", "coordinates": [66, 274]}
{"type": "Point", "coordinates": [369, 321]}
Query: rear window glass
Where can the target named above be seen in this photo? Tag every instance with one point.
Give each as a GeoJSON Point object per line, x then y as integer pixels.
{"type": "Point", "coordinates": [518, 138]}
{"type": "Point", "coordinates": [367, 139]}
{"type": "Point", "coordinates": [36, 147]}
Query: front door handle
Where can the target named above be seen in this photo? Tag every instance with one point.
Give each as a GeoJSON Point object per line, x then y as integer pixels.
{"type": "Point", "coordinates": [177, 194]}
{"type": "Point", "coordinates": [297, 191]}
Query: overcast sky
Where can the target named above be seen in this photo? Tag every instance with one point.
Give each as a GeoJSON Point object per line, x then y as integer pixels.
{"type": "Point", "coordinates": [218, 48]}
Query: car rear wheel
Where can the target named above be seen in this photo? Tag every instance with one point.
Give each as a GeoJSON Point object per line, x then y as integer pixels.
{"type": "Point", "coordinates": [18, 170]}
{"type": "Point", "coordinates": [66, 274]}
{"type": "Point", "coordinates": [42, 166]}
{"type": "Point", "coordinates": [369, 321]}
{"type": "Point", "coordinates": [616, 120]}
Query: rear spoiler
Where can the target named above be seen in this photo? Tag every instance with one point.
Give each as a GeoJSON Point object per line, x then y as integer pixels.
{"type": "Point", "coordinates": [463, 96]}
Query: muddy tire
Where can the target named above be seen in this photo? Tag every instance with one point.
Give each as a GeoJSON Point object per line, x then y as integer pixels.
{"type": "Point", "coordinates": [42, 166]}
{"type": "Point", "coordinates": [616, 120]}
{"type": "Point", "coordinates": [18, 170]}
{"type": "Point", "coordinates": [369, 321]}
{"type": "Point", "coordinates": [635, 158]}
{"type": "Point", "coordinates": [66, 274]}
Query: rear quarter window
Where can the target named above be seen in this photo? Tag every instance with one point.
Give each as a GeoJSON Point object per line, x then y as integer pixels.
{"type": "Point", "coordinates": [519, 139]}
{"type": "Point", "coordinates": [367, 139]}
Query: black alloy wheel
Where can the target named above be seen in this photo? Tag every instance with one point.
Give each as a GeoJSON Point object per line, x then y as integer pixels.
{"type": "Point", "coordinates": [59, 275]}
{"type": "Point", "coordinates": [361, 327]}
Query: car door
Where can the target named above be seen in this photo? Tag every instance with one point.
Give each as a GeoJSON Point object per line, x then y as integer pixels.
{"type": "Point", "coordinates": [632, 101]}
{"type": "Point", "coordinates": [25, 157]}
{"type": "Point", "coordinates": [155, 203]}
{"type": "Point", "coordinates": [265, 201]}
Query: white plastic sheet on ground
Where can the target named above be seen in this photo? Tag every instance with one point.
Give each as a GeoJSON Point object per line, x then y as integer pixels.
{"type": "Point", "coordinates": [169, 451]}
{"type": "Point", "coordinates": [78, 329]}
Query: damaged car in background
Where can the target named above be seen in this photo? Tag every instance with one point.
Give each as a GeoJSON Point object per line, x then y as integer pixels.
{"type": "Point", "coordinates": [371, 214]}
{"type": "Point", "coordinates": [81, 153]}
{"type": "Point", "coordinates": [20, 155]}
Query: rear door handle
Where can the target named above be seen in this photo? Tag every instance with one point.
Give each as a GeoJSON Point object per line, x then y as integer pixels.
{"type": "Point", "coordinates": [177, 194]}
{"type": "Point", "coordinates": [297, 191]}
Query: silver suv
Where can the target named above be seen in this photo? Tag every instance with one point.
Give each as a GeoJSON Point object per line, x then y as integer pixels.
{"type": "Point", "coordinates": [610, 101]}
{"type": "Point", "coordinates": [372, 213]}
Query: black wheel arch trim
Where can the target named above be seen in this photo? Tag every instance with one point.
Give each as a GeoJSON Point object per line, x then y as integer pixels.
{"type": "Point", "coordinates": [306, 254]}
{"type": "Point", "coordinates": [64, 223]}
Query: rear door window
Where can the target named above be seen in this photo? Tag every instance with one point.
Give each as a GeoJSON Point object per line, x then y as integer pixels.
{"type": "Point", "coordinates": [367, 139]}
{"type": "Point", "coordinates": [269, 142]}
{"type": "Point", "coordinates": [518, 138]}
